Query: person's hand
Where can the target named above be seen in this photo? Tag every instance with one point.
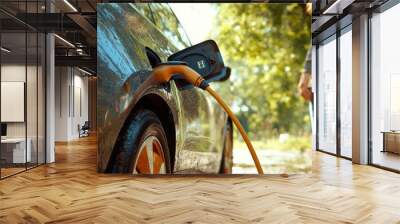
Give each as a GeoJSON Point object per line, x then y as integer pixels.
{"type": "Point", "coordinates": [306, 93]}
{"type": "Point", "coordinates": [309, 8]}
{"type": "Point", "coordinates": [303, 88]}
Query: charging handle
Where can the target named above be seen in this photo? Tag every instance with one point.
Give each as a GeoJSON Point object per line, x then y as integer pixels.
{"type": "Point", "coordinates": [164, 72]}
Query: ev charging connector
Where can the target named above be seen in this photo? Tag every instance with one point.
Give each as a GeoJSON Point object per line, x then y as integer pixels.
{"type": "Point", "coordinates": [164, 72]}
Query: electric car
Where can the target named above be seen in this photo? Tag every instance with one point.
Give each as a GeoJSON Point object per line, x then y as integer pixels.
{"type": "Point", "coordinates": [146, 128]}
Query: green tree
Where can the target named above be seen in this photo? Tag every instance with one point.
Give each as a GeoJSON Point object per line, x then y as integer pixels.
{"type": "Point", "coordinates": [265, 44]}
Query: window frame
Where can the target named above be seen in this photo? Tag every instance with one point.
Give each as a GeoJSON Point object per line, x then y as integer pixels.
{"type": "Point", "coordinates": [331, 36]}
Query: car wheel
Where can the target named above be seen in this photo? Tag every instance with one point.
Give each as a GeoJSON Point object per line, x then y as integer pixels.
{"type": "Point", "coordinates": [144, 146]}
{"type": "Point", "coordinates": [227, 157]}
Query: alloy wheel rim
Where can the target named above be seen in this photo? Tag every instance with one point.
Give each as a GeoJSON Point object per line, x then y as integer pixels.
{"type": "Point", "coordinates": [150, 159]}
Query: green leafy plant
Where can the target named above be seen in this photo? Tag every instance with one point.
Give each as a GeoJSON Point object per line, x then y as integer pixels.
{"type": "Point", "coordinates": [265, 44]}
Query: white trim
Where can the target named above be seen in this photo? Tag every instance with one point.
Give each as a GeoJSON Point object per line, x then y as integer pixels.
{"type": "Point", "coordinates": [65, 41]}
{"type": "Point", "coordinates": [70, 5]}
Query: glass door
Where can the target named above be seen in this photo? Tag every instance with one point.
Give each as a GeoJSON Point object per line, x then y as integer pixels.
{"type": "Point", "coordinates": [14, 153]}
{"type": "Point", "coordinates": [326, 95]}
{"type": "Point", "coordinates": [22, 78]}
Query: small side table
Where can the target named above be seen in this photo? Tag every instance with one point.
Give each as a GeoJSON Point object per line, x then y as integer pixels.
{"type": "Point", "coordinates": [391, 141]}
{"type": "Point", "coordinates": [14, 152]}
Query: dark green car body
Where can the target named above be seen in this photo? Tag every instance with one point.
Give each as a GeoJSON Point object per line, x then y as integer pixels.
{"type": "Point", "coordinates": [195, 125]}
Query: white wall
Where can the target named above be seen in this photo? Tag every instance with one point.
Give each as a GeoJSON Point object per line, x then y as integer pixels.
{"type": "Point", "coordinates": [13, 98]}
{"type": "Point", "coordinates": [80, 112]}
{"type": "Point", "coordinates": [61, 103]}
{"type": "Point", "coordinates": [71, 102]}
{"type": "Point", "coordinates": [12, 73]}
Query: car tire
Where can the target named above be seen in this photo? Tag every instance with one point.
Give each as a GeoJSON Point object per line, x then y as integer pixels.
{"type": "Point", "coordinates": [227, 156]}
{"type": "Point", "coordinates": [143, 146]}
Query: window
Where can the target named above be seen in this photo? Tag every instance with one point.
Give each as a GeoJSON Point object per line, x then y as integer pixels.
{"type": "Point", "coordinates": [385, 88]}
{"type": "Point", "coordinates": [169, 25]}
{"type": "Point", "coordinates": [346, 93]}
{"type": "Point", "coordinates": [326, 107]}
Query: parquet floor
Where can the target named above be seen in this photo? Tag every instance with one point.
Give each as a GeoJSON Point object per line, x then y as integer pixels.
{"type": "Point", "coordinates": [71, 191]}
{"type": "Point", "coordinates": [10, 171]}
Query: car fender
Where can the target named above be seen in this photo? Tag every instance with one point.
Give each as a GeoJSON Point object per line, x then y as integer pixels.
{"type": "Point", "coordinates": [136, 87]}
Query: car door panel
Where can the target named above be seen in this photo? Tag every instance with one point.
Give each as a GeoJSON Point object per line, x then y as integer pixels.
{"type": "Point", "coordinates": [196, 150]}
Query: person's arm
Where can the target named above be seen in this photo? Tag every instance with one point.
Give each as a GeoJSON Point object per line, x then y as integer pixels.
{"type": "Point", "coordinates": [305, 78]}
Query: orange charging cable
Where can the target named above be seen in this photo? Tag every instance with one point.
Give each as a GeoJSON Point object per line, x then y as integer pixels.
{"type": "Point", "coordinates": [238, 126]}
{"type": "Point", "coordinates": [163, 74]}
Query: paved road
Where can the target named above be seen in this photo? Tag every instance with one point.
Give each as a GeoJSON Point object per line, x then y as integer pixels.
{"type": "Point", "coordinates": [273, 161]}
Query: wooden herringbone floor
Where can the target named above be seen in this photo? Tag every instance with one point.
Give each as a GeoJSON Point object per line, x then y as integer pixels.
{"type": "Point", "coordinates": [71, 191]}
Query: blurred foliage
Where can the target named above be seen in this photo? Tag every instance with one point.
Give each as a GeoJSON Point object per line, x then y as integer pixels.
{"type": "Point", "coordinates": [265, 45]}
